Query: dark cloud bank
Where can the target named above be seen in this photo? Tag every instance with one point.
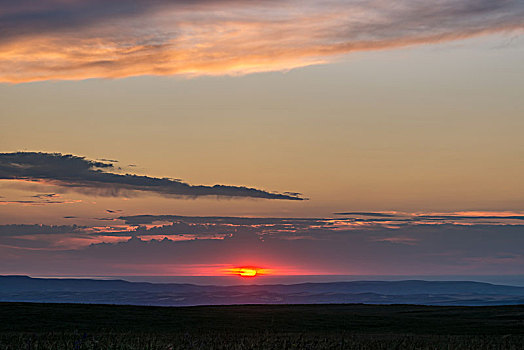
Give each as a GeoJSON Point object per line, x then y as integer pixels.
{"type": "Point", "coordinates": [99, 178]}
{"type": "Point", "coordinates": [312, 245]}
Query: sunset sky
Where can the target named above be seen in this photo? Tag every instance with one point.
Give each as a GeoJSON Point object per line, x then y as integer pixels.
{"type": "Point", "coordinates": [300, 137]}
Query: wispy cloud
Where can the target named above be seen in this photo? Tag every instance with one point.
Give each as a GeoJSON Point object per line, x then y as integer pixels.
{"type": "Point", "coordinates": [32, 203]}
{"type": "Point", "coordinates": [45, 195]}
{"type": "Point", "coordinates": [457, 217]}
{"type": "Point", "coordinates": [75, 173]}
{"type": "Point", "coordinates": [40, 199]}
{"type": "Point", "coordinates": [52, 39]}
{"type": "Point", "coordinates": [371, 214]}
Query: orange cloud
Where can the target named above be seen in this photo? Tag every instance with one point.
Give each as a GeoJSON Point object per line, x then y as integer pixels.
{"type": "Point", "coordinates": [230, 37]}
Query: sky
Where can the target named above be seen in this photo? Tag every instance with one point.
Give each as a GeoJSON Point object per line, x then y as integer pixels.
{"type": "Point", "coordinates": [327, 137]}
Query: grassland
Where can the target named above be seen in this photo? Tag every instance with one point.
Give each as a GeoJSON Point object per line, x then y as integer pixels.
{"type": "Point", "coordinates": [349, 326]}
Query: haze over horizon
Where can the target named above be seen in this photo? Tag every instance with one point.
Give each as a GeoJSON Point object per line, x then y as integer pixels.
{"type": "Point", "coordinates": [233, 280]}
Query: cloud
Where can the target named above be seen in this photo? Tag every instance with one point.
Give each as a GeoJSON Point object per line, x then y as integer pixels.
{"type": "Point", "coordinates": [45, 195]}
{"type": "Point", "coordinates": [228, 220]}
{"type": "Point", "coordinates": [471, 216]}
{"type": "Point", "coordinates": [25, 230]}
{"type": "Point", "coordinates": [372, 214]}
{"type": "Point", "coordinates": [338, 244]}
{"type": "Point", "coordinates": [42, 199]}
{"type": "Point", "coordinates": [75, 173]}
{"type": "Point", "coordinates": [168, 244]}
{"type": "Point", "coordinates": [317, 247]}
{"type": "Point", "coordinates": [181, 228]}
{"type": "Point", "coordinates": [30, 202]}
{"type": "Point", "coordinates": [52, 39]}
{"type": "Point", "coordinates": [110, 211]}
{"type": "Point", "coordinates": [306, 228]}
{"type": "Point", "coordinates": [466, 217]}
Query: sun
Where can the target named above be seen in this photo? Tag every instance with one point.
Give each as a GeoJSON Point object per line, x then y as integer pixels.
{"type": "Point", "coordinates": [246, 271]}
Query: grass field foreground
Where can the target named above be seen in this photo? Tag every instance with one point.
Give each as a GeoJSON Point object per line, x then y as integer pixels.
{"type": "Point", "coordinates": [82, 326]}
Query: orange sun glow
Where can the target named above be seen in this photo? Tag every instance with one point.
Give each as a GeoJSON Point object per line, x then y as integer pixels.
{"type": "Point", "coordinates": [246, 271]}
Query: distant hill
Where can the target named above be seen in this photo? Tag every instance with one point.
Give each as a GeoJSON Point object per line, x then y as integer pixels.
{"type": "Point", "coordinates": [24, 288]}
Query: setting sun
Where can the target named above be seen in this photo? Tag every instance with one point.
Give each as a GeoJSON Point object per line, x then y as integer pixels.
{"type": "Point", "coordinates": [248, 271]}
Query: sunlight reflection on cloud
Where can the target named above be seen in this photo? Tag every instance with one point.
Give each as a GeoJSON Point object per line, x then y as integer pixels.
{"type": "Point", "coordinates": [225, 37]}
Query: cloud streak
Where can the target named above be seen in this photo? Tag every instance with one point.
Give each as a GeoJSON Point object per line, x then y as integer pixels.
{"type": "Point", "coordinates": [75, 173]}
{"type": "Point", "coordinates": [53, 39]}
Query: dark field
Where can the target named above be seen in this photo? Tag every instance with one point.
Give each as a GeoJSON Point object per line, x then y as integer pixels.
{"type": "Point", "coordinates": [350, 326]}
